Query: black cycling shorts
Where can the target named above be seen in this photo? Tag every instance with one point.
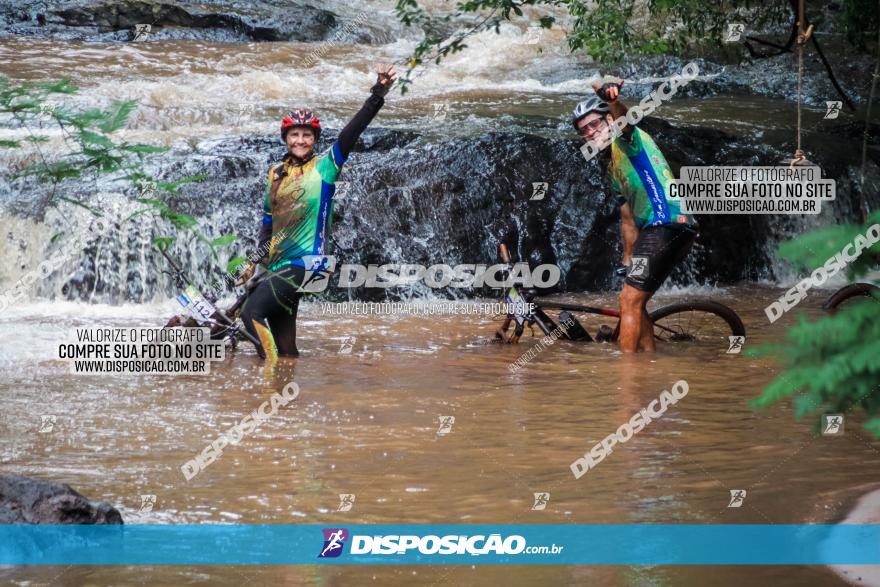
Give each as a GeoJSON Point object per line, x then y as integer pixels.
{"type": "Point", "coordinates": [657, 251]}
{"type": "Point", "coordinates": [275, 303]}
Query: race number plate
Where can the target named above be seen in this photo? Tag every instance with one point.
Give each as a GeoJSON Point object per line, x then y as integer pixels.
{"type": "Point", "coordinates": [196, 305]}
{"type": "Point", "coordinates": [517, 305]}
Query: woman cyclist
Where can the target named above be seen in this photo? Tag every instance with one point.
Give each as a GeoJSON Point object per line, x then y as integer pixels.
{"type": "Point", "coordinates": [298, 210]}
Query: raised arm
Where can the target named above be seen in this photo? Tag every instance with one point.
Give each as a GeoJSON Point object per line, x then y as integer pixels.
{"type": "Point", "coordinates": [608, 89]}
{"type": "Point", "coordinates": [348, 136]}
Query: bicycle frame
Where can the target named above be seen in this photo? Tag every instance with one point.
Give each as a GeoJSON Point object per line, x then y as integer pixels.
{"type": "Point", "coordinates": [544, 322]}
{"type": "Point", "coordinates": [224, 323]}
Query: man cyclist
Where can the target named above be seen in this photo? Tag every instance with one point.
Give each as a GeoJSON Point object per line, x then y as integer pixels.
{"type": "Point", "coordinates": [298, 209]}
{"type": "Point", "coordinates": [656, 235]}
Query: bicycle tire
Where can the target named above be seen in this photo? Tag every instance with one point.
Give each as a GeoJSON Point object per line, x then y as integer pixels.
{"type": "Point", "coordinates": [673, 333]}
{"type": "Point", "coordinates": [847, 292]}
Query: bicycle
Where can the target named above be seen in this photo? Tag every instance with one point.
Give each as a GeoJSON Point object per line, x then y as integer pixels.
{"type": "Point", "coordinates": [201, 310]}
{"type": "Point", "coordinates": [695, 321]}
{"type": "Point", "coordinates": [849, 292]}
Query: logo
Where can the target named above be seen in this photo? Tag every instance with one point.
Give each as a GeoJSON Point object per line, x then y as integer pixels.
{"type": "Point", "coordinates": [148, 189]}
{"type": "Point", "coordinates": [141, 32]}
{"type": "Point", "coordinates": [334, 541]}
{"type": "Point", "coordinates": [14, 454]}
{"type": "Point", "coordinates": [653, 411]}
{"type": "Point", "coordinates": [638, 266]}
{"type": "Point", "coordinates": [476, 545]}
{"type": "Point", "coordinates": [736, 344]}
{"type": "Point", "coordinates": [346, 502]}
{"type": "Point", "coordinates": [645, 107]}
{"type": "Point", "coordinates": [833, 109]}
{"type": "Point", "coordinates": [446, 423]}
{"type": "Point", "coordinates": [737, 496]}
{"type": "Point", "coordinates": [235, 434]}
{"type": "Point", "coordinates": [47, 109]}
{"type": "Point", "coordinates": [147, 503]}
{"type": "Point", "coordinates": [541, 500]}
{"type": "Point", "coordinates": [347, 345]}
{"type": "Point", "coordinates": [318, 270]}
{"type": "Point", "coordinates": [244, 110]}
{"type": "Point", "coordinates": [823, 273]}
{"type": "Point", "coordinates": [441, 109]}
{"type": "Point", "coordinates": [47, 424]}
{"type": "Point", "coordinates": [342, 188]}
{"type": "Point", "coordinates": [832, 424]}
{"type": "Point", "coordinates": [734, 32]}
{"type": "Point", "coordinates": [539, 190]}
{"type": "Point", "coordinates": [441, 275]}
{"type": "Point", "coordinates": [533, 35]}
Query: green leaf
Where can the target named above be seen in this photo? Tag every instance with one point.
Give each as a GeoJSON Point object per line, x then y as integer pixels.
{"type": "Point", "coordinates": [117, 116]}
{"type": "Point", "coordinates": [163, 242]}
{"type": "Point", "coordinates": [9, 144]}
{"type": "Point", "coordinates": [179, 220]}
{"type": "Point", "coordinates": [90, 138]}
{"type": "Point", "coordinates": [80, 204]}
{"type": "Point", "coordinates": [223, 240]}
{"type": "Point", "coordinates": [142, 149]}
{"type": "Point", "coordinates": [234, 264]}
{"type": "Point", "coordinates": [64, 86]}
{"type": "Point", "coordinates": [82, 120]}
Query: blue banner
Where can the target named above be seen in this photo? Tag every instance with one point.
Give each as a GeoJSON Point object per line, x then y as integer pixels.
{"type": "Point", "coordinates": [562, 544]}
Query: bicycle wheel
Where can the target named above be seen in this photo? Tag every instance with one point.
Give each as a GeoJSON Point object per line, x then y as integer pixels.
{"type": "Point", "coordinates": [853, 290]}
{"type": "Point", "coordinates": [699, 322]}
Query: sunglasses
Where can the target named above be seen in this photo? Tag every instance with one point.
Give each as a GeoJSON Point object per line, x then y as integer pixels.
{"type": "Point", "coordinates": [592, 127]}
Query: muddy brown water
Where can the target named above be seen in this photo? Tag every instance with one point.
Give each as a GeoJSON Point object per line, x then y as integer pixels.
{"type": "Point", "coordinates": [366, 423]}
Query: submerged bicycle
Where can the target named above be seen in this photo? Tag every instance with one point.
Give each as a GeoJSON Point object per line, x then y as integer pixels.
{"type": "Point", "coordinates": [696, 321]}
{"type": "Point", "coordinates": [853, 291]}
{"type": "Point", "coordinates": [201, 310]}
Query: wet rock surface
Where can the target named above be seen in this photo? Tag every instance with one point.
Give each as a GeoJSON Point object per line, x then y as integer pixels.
{"type": "Point", "coordinates": [115, 20]}
{"type": "Point", "coordinates": [408, 199]}
{"type": "Point", "coordinates": [24, 500]}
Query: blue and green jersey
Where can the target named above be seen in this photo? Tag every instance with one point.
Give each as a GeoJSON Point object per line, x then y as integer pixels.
{"type": "Point", "coordinates": [640, 176]}
{"type": "Point", "coordinates": [299, 208]}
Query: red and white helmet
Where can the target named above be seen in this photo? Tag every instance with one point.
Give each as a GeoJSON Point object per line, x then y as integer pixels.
{"type": "Point", "coordinates": [300, 117]}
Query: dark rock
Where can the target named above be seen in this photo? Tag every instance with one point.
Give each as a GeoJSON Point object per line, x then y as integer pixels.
{"type": "Point", "coordinates": [413, 199]}
{"type": "Point", "coordinates": [34, 501]}
{"type": "Point", "coordinates": [114, 20]}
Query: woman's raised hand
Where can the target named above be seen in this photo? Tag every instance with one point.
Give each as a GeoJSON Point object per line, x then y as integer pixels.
{"type": "Point", "coordinates": [385, 78]}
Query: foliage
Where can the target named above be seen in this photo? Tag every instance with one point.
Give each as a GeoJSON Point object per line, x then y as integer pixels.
{"type": "Point", "coordinates": [832, 365]}
{"type": "Point", "coordinates": [861, 19]}
{"type": "Point", "coordinates": [609, 30]}
{"type": "Point", "coordinates": [91, 150]}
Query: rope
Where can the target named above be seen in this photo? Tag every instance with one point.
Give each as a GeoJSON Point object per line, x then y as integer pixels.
{"type": "Point", "coordinates": [799, 84]}
{"type": "Point", "coordinates": [802, 38]}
